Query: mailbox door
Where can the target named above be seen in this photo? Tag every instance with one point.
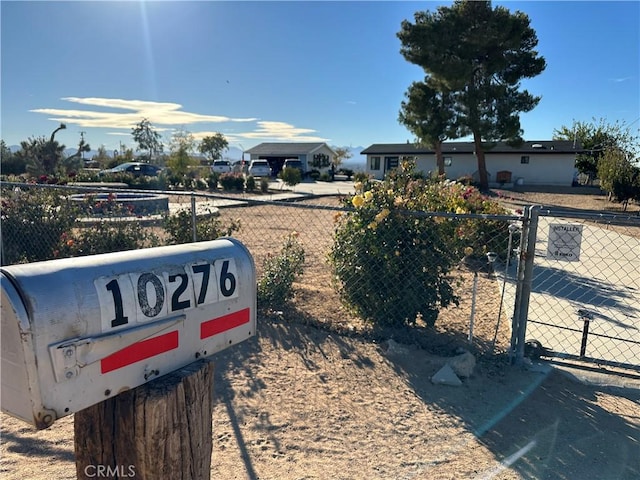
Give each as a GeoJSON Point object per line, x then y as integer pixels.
{"type": "Point", "coordinates": [19, 391]}
{"type": "Point", "coordinates": [103, 324]}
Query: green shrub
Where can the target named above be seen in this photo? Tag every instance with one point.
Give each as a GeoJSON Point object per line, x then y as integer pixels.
{"type": "Point", "coordinates": [13, 165]}
{"type": "Point", "coordinates": [325, 177]}
{"type": "Point", "coordinates": [264, 185]}
{"type": "Point", "coordinates": [315, 174]}
{"type": "Point", "coordinates": [33, 222]}
{"type": "Point", "coordinates": [393, 267]}
{"type": "Point", "coordinates": [179, 227]}
{"type": "Point", "coordinates": [291, 176]}
{"type": "Point", "coordinates": [106, 236]}
{"type": "Point", "coordinates": [232, 181]}
{"type": "Point", "coordinates": [250, 183]}
{"type": "Point", "coordinates": [275, 286]}
{"type": "Point", "coordinates": [212, 180]}
{"type": "Point", "coordinates": [361, 177]}
{"type": "Point", "coordinates": [346, 171]}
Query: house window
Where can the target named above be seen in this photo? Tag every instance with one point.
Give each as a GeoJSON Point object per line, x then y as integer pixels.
{"type": "Point", "coordinates": [374, 163]}
{"type": "Point", "coordinates": [524, 159]}
{"type": "Point", "coordinates": [390, 163]}
{"type": "Point", "coordinates": [447, 161]}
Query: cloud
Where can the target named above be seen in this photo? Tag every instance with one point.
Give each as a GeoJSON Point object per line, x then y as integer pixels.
{"type": "Point", "coordinates": [122, 115]}
{"type": "Point", "coordinates": [620, 79]}
{"type": "Point", "coordinates": [281, 131]}
{"type": "Point", "coordinates": [158, 113]}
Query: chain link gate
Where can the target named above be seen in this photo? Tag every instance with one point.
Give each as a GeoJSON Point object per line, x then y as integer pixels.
{"type": "Point", "coordinates": [577, 288]}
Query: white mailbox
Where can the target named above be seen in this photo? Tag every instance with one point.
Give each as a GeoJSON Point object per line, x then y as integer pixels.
{"type": "Point", "coordinates": [80, 330]}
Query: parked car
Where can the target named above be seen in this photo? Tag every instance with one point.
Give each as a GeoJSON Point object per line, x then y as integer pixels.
{"type": "Point", "coordinates": [221, 166]}
{"type": "Point", "coordinates": [138, 169]}
{"type": "Point", "coordinates": [293, 163]}
{"type": "Point", "coordinates": [259, 168]}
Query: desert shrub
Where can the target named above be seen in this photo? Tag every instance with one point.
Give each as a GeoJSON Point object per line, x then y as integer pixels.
{"type": "Point", "coordinates": [232, 181]}
{"type": "Point", "coordinates": [361, 177]}
{"type": "Point", "coordinates": [346, 171]}
{"type": "Point", "coordinates": [250, 183]}
{"type": "Point", "coordinates": [391, 264]}
{"type": "Point", "coordinates": [13, 165]}
{"type": "Point", "coordinates": [212, 180]}
{"type": "Point", "coordinates": [315, 174]}
{"type": "Point", "coordinates": [264, 185]}
{"type": "Point", "coordinates": [325, 177]}
{"type": "Point", "coordinates": [33, 221]}
{"type": "Point", "coordinates": [275, 285]}
{"type": "Point", "coordinates": [179, 227]}
{"type": "Point", "coordinates": [291, 176]}
{"type": "Point", "coordinates": [466, 180]}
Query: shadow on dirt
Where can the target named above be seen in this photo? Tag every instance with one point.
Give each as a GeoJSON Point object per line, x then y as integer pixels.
{"type": "Point", "coordinates": [538, 425]}
{"type": "Point", "coordinates": [563, 431]}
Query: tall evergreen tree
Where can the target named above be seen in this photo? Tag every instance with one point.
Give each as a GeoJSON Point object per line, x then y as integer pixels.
{"type": "Point", "coordinates": [428, 113]}
{"type": "Point", "coordinates": [480, 54]}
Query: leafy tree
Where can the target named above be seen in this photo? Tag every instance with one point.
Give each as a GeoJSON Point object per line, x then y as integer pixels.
{"type": "Point", "coordinates": [618, 176]}
{"type": "Point", "coordinates": [213, 146]}
{"type": "Point", "coordinates": [341, 154]}
{"type": "Point", "coordinates": [595, 138]}
{"type": "Point", "coordinates": [479, 54]}
{"type": "Point", "coordinates": [102, 157]}
{"type": "Point", "coordinates": [181, 147]}
{"type": "Point", "coordinates": [428, 114]}
{"type": "Point", "coordinates": [147, 138]}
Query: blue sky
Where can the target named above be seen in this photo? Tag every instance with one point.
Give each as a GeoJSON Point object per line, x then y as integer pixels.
{"type": "Point", "coordinates": [279, 71]}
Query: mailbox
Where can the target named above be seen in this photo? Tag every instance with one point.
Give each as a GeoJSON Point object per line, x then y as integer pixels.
{"type": "Point", "coordinates": [77, 331]}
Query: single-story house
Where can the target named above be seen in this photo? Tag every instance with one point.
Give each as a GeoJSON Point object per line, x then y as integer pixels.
{"type": "Point", "coordinates": [313, 156]}
{"type": "Point", "coordinates": [547, 162]}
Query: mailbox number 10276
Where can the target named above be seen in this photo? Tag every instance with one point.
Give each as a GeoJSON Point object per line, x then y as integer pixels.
{"type": "Point", "coordinates": [142, 296]}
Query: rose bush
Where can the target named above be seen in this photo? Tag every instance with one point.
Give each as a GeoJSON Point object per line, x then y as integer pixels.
{"type": "Point", "coordinates": [392, 260]}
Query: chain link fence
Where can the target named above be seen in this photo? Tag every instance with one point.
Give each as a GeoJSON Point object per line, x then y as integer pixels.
{"type": "Point", "coordinates": [582, 283]}
{"type": "Point", "coordinates": [425, 269]}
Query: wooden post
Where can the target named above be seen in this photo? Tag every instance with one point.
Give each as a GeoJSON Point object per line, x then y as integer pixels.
{"type": "Point", "coordinates": [161, 429]}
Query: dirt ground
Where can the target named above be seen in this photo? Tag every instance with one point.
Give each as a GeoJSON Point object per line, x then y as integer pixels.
{"type": "Point", "coordinates": [318, 394]}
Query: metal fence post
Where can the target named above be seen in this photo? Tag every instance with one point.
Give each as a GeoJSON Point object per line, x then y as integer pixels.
{"type": "Point", "coordinates": [194, 217]}
{"type": "Point", "coordinates": [519, 281]}
{"type": "Point", "coordinates": [525, 279]}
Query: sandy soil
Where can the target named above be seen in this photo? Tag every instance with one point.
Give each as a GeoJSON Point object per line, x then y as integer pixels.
{"type": "Point", "coordinates": [319, 394]}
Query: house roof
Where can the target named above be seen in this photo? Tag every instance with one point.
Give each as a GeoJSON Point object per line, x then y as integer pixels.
{"type": "Point", "coordinates": [284, 149]}
{"type": "Point", "coordinates": [535, 146]}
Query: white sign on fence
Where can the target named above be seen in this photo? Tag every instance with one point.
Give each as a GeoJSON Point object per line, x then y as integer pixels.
{"type": "Point", "coordinates": [564, 242]}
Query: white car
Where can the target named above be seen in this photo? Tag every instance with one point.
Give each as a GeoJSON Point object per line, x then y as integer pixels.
{"type": "Point", "coordinates": [221, 166]}
{"type": "Point", "coordinates": [259, 168]}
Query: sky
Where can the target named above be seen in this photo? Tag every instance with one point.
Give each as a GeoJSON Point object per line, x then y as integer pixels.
{"type": "Point", "coordinates": [328, 71]}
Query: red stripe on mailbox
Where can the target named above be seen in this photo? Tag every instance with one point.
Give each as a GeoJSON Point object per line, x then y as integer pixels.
{"type": "Point", "coordinates": [224, 323]}
{"type": "Point", "coordinates": [140, 351]}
